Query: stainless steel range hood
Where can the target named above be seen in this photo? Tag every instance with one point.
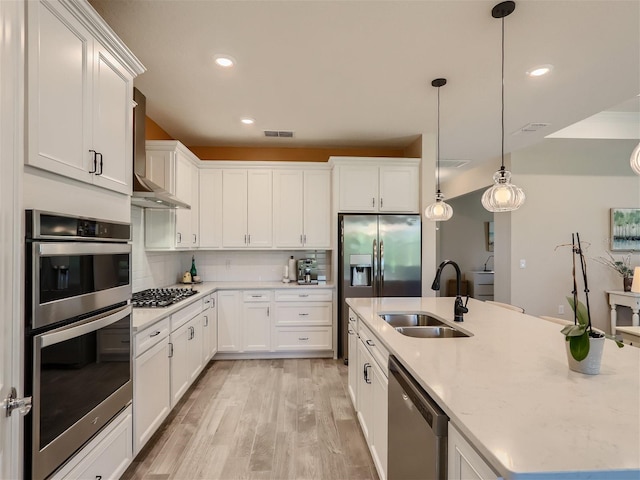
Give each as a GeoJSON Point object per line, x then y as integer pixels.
{"type": "Point", "coordinates": [146, 194]}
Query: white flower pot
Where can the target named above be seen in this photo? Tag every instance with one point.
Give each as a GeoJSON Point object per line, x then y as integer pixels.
{"type": "Point", "coordinates": [591, 364]}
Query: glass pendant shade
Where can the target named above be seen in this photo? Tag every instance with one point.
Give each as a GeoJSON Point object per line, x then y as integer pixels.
{"type": "Point", "coordinates": [439, 211]}
{"type": "Point", "coordinates": [635, 159]}
{"type": "Point", "coordinates": [503, 196]}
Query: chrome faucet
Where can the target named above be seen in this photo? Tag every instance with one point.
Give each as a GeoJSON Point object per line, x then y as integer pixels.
{"type": "Point", "coordinates": [485, 263]}
{"type": "Point", "coordinates": [458, 309]}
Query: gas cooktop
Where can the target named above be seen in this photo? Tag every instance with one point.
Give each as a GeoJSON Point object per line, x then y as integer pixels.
{"type": "Point", "coordinates": [160, 297]}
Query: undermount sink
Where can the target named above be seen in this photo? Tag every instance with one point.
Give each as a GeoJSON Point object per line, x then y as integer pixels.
{"type": "Point", "coordinates": [431, 332]}
{"type": "Point", "coordinates": [421, 325]}
{"type": "Point", "coordinates": [411, 320]}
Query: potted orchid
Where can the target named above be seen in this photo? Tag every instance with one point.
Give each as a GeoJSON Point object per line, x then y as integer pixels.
{"type": "Point", "coordinates": [584, 343]}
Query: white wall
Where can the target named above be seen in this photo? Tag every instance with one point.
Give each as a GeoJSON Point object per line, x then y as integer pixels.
{"type": "Point", "coordinates": [427, 197]}
{"type": "Point", "coordinates": [570, 186]}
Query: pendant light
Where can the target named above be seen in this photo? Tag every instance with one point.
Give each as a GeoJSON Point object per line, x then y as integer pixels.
{"type": "Point", "coordinates": [503, 196]}
{"type": "Point", "coordinates": [635, 159]}
{"type": "Point", "coordinates": [439, 211]}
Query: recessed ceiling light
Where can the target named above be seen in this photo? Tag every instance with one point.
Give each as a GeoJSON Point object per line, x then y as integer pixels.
{"type": "Point", "coordinates": [248, 121]}
{"type": "Point", "coordinates": [224, 61]}
{"type": "Point", "coordinates": [540, 70]}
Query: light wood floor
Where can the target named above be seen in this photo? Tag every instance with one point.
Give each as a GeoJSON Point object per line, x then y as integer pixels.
{"type": "Point", "coordinates": [261, 419]}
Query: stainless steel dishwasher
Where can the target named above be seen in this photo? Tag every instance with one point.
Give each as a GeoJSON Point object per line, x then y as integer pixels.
{"type": "Point", "coordinates": [417, 430]}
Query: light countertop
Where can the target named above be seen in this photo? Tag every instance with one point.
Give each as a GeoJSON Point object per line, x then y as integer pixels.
{"type": "Point", "coordinates": [509, 390]}
{"type": "Point", "coordinates": [144, 317]}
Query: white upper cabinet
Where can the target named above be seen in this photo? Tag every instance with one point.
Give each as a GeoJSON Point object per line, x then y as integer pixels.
{"type": "Point", "coordinates": [302, 206]}
{"type": "Point", "coordinates": [79, 96]}
{"type": "Point", "coordinates": [247, 208]}
{"type": "Point", "coordinates": [175, 168]}
{"type": "Point", "coordinates": [210, 208]}
{"type": "Point", "coordinates": [385, 185]}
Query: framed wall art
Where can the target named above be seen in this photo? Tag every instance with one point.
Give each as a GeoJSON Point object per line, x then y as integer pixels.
{"type": "Point", "coordinates": [488, 235]}
{"type": "Point", "coordinates": [625, 229]}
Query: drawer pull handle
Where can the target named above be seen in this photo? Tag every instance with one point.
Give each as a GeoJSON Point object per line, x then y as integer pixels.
{"type": "Point", "coordinates": [370, 343]}
{"type": "Point", "coordinates": [256, 296]}
{"type": "Point", "coordinates": [303, 296]}
{"type": "Point", "coordinates": [303, 314]}
{"type": "Point", "coordinates": [303, 338]}
{"type": "Point", "coordinates": [155, 334]}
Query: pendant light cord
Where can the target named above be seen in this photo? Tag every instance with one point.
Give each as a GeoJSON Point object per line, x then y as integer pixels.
{"type": "Point", "coordinates": [502, 112]}
{"type": "Point", "coordinates": [438, 147]}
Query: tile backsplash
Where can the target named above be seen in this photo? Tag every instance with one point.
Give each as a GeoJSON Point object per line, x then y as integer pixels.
{"type": "Point", "coordinates": [159, 269]}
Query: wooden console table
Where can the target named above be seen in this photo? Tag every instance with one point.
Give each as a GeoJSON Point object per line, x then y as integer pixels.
{"type": "Point", "coordinates": [625, 299]}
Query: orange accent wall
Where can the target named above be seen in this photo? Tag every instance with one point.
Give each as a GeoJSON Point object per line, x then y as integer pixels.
{"type": "Point", "coordinates": [275, 154]}
{"type": "Point", "coordinates": [153, 131]}
{"type": "Point", "coordinates": [289, 154]}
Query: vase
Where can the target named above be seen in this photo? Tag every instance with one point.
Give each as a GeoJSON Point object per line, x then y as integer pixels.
{"type": "Point", "coordinates": [591, 364]}
{"type": "Point", "coordinates": [627, 283]}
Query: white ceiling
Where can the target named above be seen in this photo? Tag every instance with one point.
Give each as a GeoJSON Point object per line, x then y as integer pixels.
{"type": "Point", "coordinates": [358, 73]}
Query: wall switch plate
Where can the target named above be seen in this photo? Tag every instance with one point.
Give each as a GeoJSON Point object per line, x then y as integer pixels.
{"type": "Point", "coordinates": [523, 263]}
{"type": "Point", "coordinates": [561, 309]}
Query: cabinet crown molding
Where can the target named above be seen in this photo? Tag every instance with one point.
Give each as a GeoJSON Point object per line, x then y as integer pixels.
{"type": "Point", "coordinates": [87, 15]}
{"type": "Point", "coordinates": [373, 161]}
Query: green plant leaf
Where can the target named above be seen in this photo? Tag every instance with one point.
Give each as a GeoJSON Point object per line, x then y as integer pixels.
{"type": "Point", "coordinates": [573, 330]}
{"type": "Point", "coordinates": [583, 315]}
{"type": "Point", "coordinates": [579, 346]}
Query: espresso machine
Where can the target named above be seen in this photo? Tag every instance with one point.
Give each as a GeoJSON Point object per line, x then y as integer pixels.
{"type": "Point", "coordinates": [307, 271]}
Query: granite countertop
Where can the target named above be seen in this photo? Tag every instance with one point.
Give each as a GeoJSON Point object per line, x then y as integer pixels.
{"type": "Point", "coordinates": [144, 317]}
{"type": "Point", "coordinates": [509, 390]}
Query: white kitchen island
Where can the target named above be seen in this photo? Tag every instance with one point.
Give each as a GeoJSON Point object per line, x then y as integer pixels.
{"type": "Point", "coordinates": [509, 391]}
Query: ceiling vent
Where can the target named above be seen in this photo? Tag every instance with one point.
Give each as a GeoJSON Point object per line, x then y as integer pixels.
{"type": "Point", "coordinates": [453, 163]}
{"type": "Point", "coordinates": [531, 127]}
{"type": "Point", "coordinates": [278, 133]}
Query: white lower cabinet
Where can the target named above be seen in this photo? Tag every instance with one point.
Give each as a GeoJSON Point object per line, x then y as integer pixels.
{"type": "Point", "coordinates": [106, 456]}
{"type": "Point", "coordinates": [209, 327]}
{"type": "Point", "coordinates": [303, 320]}
{"type": "Point", "coordinates": [464, 462]}
{"type": "Point", "coordinates": [353, 363]}
{"type": "Point", "coordinates": [151, 382]}
{"type": "Point", "coordinates": [229, 320]}
{"type": "Point", "coordinates": [256, 321]}
{"type": "Point", "coordinates": [186, 349]}
{"type": "Point", "coordinates": [275, 321]}
{"type": "Point", "coordinates": [369, 380]}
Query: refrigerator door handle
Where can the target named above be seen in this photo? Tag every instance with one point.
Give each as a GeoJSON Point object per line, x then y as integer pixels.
{"type": "Point", "coordinates": [375, 267]}
{"type": "Point", "coordinates": [381, 266]}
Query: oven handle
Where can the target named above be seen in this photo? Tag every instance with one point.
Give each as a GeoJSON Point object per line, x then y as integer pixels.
{"type": "Point", "coordinates": [90, 325]}
{"type": "Point", "coordinates": [77, 248]}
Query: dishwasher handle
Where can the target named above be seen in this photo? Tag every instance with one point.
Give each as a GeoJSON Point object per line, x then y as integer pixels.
{"type": "Point", "coordinates": [430, 411]}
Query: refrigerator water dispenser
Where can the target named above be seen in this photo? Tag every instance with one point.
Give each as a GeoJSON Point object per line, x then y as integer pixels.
{"type": "Point", "coordinates": [360, 270]}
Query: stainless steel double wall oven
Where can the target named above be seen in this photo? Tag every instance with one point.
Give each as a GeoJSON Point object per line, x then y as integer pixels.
{"type": "Point", "coordinates": [78, 333]}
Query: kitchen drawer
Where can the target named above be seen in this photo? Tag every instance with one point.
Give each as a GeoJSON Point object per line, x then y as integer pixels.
{"type": "Point", "coordinates": [150, 336]}
{"type": "Point", "coordinates": [256, 296]}
{"type": "Point", "coordinates": [480, 278]}
{"type": "Point", "coordinates": [187, 313]}
{"type": "Point", "coordinates": [303, 338]}
{"type": "Point", "coordinates": [375, 347]}
{"type": "Point", "coordinates": [306, 295]}
{"type": "Point", "coordinates": [106, 456]}
{"type": "Point", "coordinates": [304, 313]}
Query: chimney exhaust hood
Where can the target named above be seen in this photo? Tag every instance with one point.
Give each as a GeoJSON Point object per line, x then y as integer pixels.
{"type": "Point", "coordinates": [146, 194]}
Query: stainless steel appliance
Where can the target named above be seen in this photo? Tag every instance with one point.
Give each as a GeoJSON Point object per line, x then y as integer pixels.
{"type": "Point", "coordinates": [417, 430]}
{"type": "Point", "coordinates": [307, 271]}
{"type": "Point", "coordinates": [78, 333]}
{"type": "Point", "coordinates": [160, 297]}
{"type": "Point", "coordinates": [380, 256]}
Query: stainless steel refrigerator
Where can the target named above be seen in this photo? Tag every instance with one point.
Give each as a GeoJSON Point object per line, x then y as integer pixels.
{"type": "Point", "coordinates": [380, 256]}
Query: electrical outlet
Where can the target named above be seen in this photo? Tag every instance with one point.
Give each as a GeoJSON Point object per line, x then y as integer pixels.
{"type": "Point", "coordinates": [561, 309]}
{"type": "Point", "coordinates": [523, 263]}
